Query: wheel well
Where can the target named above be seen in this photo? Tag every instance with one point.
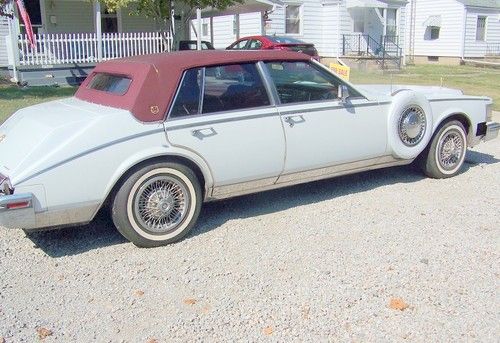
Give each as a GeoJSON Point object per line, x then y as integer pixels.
{"type": "Point", "coordinates": [169, 158]}
{"type": "Point", "coordinates": [462, 118]}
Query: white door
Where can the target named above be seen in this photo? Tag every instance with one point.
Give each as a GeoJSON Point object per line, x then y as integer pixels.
{"type": "Point", "coordinates": [320, 130]}
{"type": "Point", "coordinates": [233, 128]}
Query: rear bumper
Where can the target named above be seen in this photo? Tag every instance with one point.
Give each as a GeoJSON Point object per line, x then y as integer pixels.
{"type": "Point", "coordinates": [17, 211]}
{"type": "Point", "coordinates": [492, 129]}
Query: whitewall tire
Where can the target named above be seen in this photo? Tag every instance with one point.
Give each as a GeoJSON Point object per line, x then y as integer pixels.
{"type": "Point", "coordinates": [446, 154]}
{"type": "Point", "coordinates": [410, 124]}
{"type": "Point", "coordinates": [157, 204]}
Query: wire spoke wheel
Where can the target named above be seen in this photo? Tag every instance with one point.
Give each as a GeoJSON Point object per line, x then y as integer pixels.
{"type": "Point", "coordinates": [450, 150]}
{"type": "Point", "coordinates": [161, 203]}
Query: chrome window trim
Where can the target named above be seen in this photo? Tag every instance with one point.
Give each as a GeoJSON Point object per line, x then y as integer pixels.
{"type": "Point", "coordinates": [200, 108]}
{"type": "Point", "coordinates": [222, 120]}
{"type": "Point", "coordinates": [320, 70]}
{"type": "Point", "coordinates": [268, 84]}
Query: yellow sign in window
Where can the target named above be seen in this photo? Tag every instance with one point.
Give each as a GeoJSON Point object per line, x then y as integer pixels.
{"type": "Point", "coordinates": [342, 71]}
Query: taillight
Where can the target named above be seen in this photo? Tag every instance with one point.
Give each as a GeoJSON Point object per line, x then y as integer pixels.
{"type": "Point", "coordinates": [18, 205]}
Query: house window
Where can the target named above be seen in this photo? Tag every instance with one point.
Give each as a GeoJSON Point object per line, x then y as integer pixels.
{"type": "Point", "coordinates": [481, 28]}
{"type": "Point", "coordinates": [391, 27]}
{"type": "Point", "coordinates": [358, 19]}
{"type": "Point", "coordinates": [109, 21]}
{"type": "Point", "coordinates": [434, 32]}
{"type": "Point", "coordinates": [293, 19]}
{"type": "Point", "coordinates": [204, 29]}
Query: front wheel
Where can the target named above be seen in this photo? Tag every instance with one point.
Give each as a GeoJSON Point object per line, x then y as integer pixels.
{"type": "Point", "coordinates": [446, 153]}
{"type": "Point", "coordinates": [157, 204]}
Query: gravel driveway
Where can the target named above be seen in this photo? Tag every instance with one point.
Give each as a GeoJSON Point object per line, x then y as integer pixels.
{"type": "Point", "coordinates": [380, 256]}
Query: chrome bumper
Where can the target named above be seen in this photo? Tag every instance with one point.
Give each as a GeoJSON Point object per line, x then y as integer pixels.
{"type": "Point", "coordinates": [492, 129]}
{"type": "Point", "coordinates": [19, 218]}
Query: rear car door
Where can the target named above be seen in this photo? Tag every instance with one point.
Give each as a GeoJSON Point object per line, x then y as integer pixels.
{"type": "Point", "coordinates": [225, 115]}
{"type": "Point", "coordinates": [321, 130]}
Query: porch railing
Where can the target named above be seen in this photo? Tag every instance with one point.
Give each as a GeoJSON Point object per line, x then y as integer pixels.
{"type": "Point", "coordinates": [364, 45]}
{"type": "Point", "coordinates": [68, 48]}
{"type": "Point", "coordinates": [493, 49]}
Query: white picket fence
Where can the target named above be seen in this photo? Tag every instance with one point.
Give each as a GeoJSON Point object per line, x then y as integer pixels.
{"type": "Point", "coordinates": [64, 48]}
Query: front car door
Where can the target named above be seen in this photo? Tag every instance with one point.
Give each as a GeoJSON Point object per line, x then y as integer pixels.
{"type": "Point", "coordinates": [321, 130]}
{"type": "Point", "coordinates": [225, 115]}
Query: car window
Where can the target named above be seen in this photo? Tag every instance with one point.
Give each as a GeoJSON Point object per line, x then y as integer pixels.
{"type": "Point", "coordinates": [187, 101]}
{"type": "Point", "coordinates": [115, 84]}
{"type": "Point", "coordinates": [301, 82]}
{"type": "Point", "coordinates": [232, 87]}
{"type": "Point", "coordinates": [240, 45]}
{"type": "Point", "coordinates": [255, 44]}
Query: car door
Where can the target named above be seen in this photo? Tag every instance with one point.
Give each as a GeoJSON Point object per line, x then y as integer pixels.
{"type": "Point", "coordinates": [320, 129]}
{"type": "Point", "coordinates": [225, 115]}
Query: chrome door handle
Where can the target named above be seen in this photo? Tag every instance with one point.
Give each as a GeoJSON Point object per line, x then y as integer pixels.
{"type": "Point", "coordinates": [292, 120]}
{"type": "Point", "coordinates": [203, 132]}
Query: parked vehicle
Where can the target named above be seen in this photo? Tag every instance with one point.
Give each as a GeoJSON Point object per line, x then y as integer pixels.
{"type": "Point", "coordinates": [193, 45]}
{"type": "Point", "coordinates": [274, 43]}
{"type": "Point", "coordinates": [155, 136]}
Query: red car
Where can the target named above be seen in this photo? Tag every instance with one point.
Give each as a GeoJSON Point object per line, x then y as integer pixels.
{"type": "Point", "coordinates": [274, 43]}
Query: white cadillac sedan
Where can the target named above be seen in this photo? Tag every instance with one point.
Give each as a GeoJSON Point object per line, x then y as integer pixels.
{"type": "Point", "coordinates": [155, 136]}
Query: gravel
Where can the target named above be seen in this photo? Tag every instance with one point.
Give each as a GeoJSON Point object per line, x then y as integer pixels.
{"type": "Point", "coordinates": [386, 255]}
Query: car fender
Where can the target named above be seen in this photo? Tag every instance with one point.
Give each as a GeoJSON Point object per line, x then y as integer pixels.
{"type": "Point", "coordinates": [158, 152]}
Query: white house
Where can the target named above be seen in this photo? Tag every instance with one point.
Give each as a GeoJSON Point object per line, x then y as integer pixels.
{"type": "Point", "coordinates": [448, 31]}
{"type": "Point", "coordinates": [336, 27]}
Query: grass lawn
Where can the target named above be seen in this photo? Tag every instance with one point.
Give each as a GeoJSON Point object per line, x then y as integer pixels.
{"type": "Point", "coordinates": [13, 98]}
{"type": "Point", "coordinates": [472, 80]}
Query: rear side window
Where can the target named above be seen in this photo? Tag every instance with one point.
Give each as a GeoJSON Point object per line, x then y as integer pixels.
{"type": "Point", "coordinates": [110, 83]}
{"type": "Point", "coordinates": [221, 88]}
{"type": "Point", "coordinates": [233, 87]}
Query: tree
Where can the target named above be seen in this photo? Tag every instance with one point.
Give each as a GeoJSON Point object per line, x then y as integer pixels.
{"type": "Point", "coordinates": [161, 10]}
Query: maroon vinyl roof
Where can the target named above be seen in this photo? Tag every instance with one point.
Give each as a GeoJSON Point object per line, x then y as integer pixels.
{"type": "Point", "coordinates": [155, 77]}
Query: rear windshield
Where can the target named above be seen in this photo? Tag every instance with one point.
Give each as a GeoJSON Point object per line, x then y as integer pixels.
{"type": "Point", "coordinates": [284, 40]}
{"type": "Point", "coordinates": [115, 84]}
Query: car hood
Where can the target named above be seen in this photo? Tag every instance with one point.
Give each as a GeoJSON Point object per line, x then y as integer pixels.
{"type": "Point", "coordinates": [431, 92]}
{"type": "Point", "coordinates": [44, 135]}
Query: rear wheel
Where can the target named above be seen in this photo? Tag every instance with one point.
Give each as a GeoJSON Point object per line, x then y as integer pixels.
{"type": "Point", "coordinates": [157, 204]}
{"type": "Point", "coordinates": [446, 153]}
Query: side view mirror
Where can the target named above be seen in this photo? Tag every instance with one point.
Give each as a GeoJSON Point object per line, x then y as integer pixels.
{"type": "Point", "coordinates": [343, 93]}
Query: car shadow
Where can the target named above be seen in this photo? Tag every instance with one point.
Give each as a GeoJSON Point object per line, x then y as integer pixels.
{"type": "Point", "coordinates": [101, 233]}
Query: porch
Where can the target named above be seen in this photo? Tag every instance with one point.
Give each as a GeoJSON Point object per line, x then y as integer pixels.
{"type": "Point", "coordinates": [378, 29]}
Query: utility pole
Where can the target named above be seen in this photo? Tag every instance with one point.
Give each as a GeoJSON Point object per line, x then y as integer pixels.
{"type": "Point", "coordinates": [411, 38]}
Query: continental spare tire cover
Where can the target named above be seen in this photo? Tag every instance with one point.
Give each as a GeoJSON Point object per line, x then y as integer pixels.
{"type": "Point", "coordinates": [410, 124]}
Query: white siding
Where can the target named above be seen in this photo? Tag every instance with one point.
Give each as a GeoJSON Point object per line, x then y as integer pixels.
{"type": "Point", "coordinates": [135, 23]}
{"type": "Point", "coordinates": [223, 31]}
{"type": "Point", "coordinates": [449, 42]}
{"type": "Point", "coordinates": [4, 32]}
{"type": "Point", "coordinates": [475, 48]}
{"type": "Point", "coordinates": [311, 23]}
{"type": "Point", "coordinates": [250, 24]}
{"type": "Point", "coordinates": [193, 25]}
{"type": "Point", "coordinates": [71, 16]}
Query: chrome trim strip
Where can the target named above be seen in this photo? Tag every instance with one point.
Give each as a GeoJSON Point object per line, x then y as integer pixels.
{"type": "Point", "coordinates": [272, 94]}
{"type": "Point", "coordinates": [223, 192]}
{"type": "Point", "coordinates": [460, 99]}
{"type": "Point", "coordinates": [218, 121]}
{"type": "Point", "coordinates": [335, 107]}
{"type": "Point", "coordinates": [89, 151]}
